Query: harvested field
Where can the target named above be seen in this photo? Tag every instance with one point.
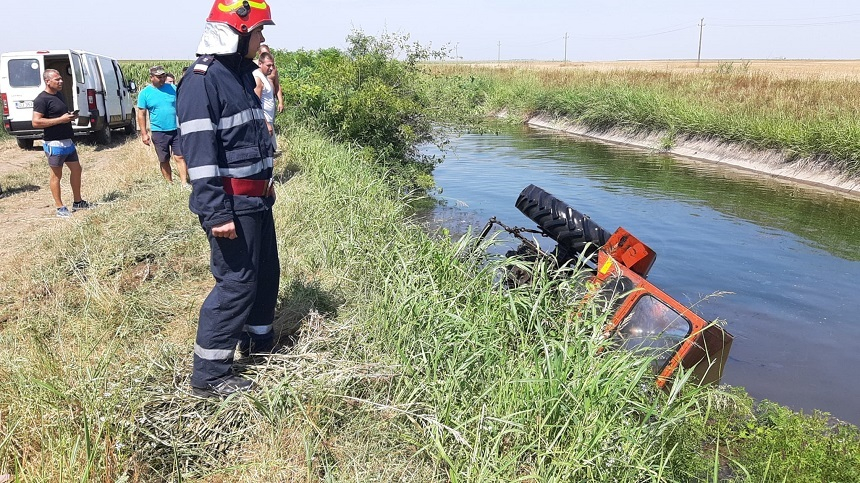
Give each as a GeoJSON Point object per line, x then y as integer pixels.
{"type": "Point", "coordinates": [788, 69]}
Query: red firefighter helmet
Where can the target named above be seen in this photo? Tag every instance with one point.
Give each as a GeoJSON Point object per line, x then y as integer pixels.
{"type": "Point", "coordinates": [243, 15]}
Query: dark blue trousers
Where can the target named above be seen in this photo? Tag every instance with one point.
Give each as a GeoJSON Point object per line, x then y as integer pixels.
{"type": "Point", "coordinates": [247, 272]}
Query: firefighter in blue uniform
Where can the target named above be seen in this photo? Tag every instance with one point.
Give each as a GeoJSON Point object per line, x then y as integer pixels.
{"type": "Point", "coordinates": [230, 159]}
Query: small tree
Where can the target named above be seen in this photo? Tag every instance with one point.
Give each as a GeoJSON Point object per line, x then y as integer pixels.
{"type": "Point", "coordinates": [369, 95]}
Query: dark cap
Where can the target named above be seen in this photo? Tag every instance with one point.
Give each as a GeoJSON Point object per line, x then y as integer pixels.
{"type": "Point", "coordinates": [156, 70]}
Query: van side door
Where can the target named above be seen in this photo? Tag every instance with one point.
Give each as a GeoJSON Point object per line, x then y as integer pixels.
{"type": "Point", "coordinates": [96, 88]}
{"type": "Point", "coordinates": [125, 92]}
{"type": "Point", "coordinates": [113, 91]}
{"type": "Point", "coordinates": [79, 75]}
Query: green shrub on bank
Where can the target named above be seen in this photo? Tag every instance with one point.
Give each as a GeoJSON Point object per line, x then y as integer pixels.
{"type": "Point", "coordinates": [366, 96]}
{"type": "Point", "coordinates": [763, 441]}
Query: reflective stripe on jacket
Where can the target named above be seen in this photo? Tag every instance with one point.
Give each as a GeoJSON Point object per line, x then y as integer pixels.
{"type": "Point", "coordinates": [224, 134]}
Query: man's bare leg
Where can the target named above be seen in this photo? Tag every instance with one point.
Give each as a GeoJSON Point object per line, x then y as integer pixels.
{"type": "Point", "coordinates": [75, 180]}
{"type": "Point", "coordinates": [166, 172]}
{"type": "Point", "coordinates": [182, 169]}
{"type": "Point", "coordinates": [54, 181]}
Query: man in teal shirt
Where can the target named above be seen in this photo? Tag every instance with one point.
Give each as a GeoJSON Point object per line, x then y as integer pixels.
{"type": "Point", "coordinates": [159, 100]}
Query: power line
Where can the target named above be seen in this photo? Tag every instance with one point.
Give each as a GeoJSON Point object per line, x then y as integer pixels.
{"type": "Point", "coordinates": [811, 24]}
{"type": "Point", "coordinates": [550, 41]}
{"type": "Point", "coordinates": [785, 19]}
{"type": "Point", "coordinates": [639, 36]}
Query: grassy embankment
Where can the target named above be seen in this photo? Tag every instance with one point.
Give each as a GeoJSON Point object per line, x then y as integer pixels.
{"type": "Point", "coordinates": [420, 369]}
{"type": "Point", "coordinates": [803, 117]}
{"type": "Point", "coordinates": [411, 363]}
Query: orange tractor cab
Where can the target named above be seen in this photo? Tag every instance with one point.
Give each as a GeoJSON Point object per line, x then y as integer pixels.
{"type": "Point", "coordinates": [644, 318]}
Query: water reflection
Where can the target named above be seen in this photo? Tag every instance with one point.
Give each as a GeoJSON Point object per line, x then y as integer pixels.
{"type": "Point", "coordinates": [828, 221]}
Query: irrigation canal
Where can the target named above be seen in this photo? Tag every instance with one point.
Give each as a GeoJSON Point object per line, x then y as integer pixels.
{"type": "Point", "coordinates": [788, 254]}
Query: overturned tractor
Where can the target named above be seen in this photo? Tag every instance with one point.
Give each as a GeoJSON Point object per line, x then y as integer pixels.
{"type": "Point", "coordinates": [643, 317]}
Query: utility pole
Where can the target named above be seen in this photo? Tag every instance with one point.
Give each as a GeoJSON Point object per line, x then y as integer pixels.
{"type": "Point", "coordinates": [565, 47]}
{"type": "Point", "coordinates": [701, 27]}
{"type": "Point", "coordinates": [500, 51]}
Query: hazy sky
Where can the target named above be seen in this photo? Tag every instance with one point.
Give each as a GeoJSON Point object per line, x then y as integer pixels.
{"type": "Point", "coordinates": [474, 30]}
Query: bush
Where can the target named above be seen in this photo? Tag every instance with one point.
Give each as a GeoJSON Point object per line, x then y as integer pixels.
{"type": "Point", "coordinates": [370, 96]}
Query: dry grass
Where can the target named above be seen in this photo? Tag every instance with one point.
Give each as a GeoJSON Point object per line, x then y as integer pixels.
{"type": "Point", "coordinates": [783, 69]}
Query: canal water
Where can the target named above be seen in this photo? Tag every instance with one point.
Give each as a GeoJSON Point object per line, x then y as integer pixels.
{"type": "Point", "coordinates": [788, 255]}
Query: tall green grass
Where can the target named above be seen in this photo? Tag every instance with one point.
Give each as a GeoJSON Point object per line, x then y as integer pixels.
{"type": "Point", "coordinates": [803, 118]}
{"type": "Point", "coordinates": [411, 363]}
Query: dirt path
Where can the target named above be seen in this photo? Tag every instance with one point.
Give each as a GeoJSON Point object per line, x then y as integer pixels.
{"type": "Point", "coordinates": [27, 209]}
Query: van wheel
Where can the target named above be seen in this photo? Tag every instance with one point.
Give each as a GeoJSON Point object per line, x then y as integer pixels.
{"type": "Point", "coordinates": [103, 135]}
{"type": "Point", "coordinates": [573, 230]}
{"type": "Point", "coordinates": [24, 143]}
{"type": "Point", "coordinates": [131, 127]}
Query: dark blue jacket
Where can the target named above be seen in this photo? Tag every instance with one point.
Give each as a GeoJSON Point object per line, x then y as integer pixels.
{"type": "Point", "coordinates": [224, 134]}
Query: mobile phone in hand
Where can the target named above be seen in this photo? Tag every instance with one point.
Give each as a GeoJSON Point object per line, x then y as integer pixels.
{"type": "Point", "coordinates": [74, 113]}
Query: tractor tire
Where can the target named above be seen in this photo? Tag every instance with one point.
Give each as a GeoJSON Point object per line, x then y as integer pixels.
{"type": "Point", "coordinates": [24, 143]}
{"type": "Point", "coordinates": [572, 230]}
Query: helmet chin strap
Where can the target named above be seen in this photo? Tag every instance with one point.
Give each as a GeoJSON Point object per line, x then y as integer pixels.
{"type": "Point", "coordinates": [244, 43]}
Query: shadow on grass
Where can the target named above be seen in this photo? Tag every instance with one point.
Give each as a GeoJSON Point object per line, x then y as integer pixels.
{"type": "Point", "coordinates": [297, 303]}
{"type": "Point", "coordinates": [284, 170]}
{"type": "Point", "coordinates": [4, 192]}
{"type": "Point", "coordinates": [114, 196]}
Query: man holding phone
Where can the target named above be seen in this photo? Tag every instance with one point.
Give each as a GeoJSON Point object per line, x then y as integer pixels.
{"type": "Point", "coordinates": [50, 112]}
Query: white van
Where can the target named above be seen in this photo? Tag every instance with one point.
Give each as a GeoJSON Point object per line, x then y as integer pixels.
{"type": "Point", "coordinates": [93, 84]}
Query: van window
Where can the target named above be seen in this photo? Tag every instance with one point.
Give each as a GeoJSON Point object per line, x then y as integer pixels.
{"type": "Point", "coordinates": [79, 70]}
{"type": "Point", "coordinates": [121, 75]}
{"type": "Point", "coordinates": [24, 73]}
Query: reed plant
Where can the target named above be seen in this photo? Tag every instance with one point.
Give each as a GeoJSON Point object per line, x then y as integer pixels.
{"type": "Point", "coordinates": [804, 118]}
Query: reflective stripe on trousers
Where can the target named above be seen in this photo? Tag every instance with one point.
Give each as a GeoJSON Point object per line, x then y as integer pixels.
{"type": "Point", "coordinates": [246, 271]}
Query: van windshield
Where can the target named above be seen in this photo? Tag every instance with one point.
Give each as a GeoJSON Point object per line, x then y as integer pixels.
{"type": "Point", "coordinates": [24, 73]}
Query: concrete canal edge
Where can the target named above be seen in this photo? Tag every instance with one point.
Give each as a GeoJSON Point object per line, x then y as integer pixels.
{"type": "Point", "coordinates": [818, 173]}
